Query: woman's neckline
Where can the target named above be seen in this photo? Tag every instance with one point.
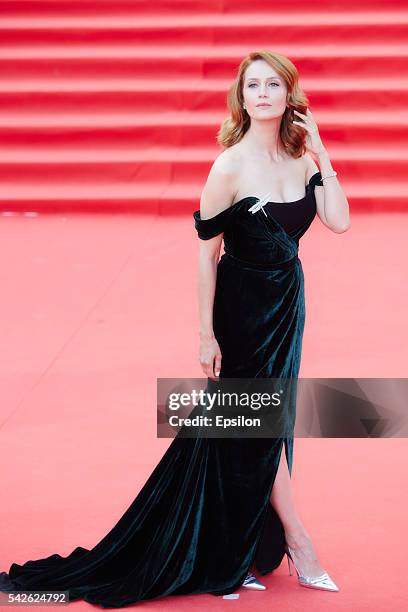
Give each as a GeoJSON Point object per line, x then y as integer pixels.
{"type": "Point", "coordinates": [250, 197]}
{"type": "Point", "coordinates": [275, 202]}
{"type": "Point", "coordinates": [230, 208]}
{"type": "Point", "coordinates": [271, 201]}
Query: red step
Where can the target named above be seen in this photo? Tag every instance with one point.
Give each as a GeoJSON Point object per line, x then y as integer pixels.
{"type": "Point", "coordinates": [174, 198]}
{"type": "Point", "coordinates": [182, 165]}
{"type": "Point", "coordinates": [196, 61]}
{"type": "Point", "coordinates": [171, 7]}
{"type": "Point", "coordinates": [169, 128]}
{"type": "Point", "coordinates": [304, 27]}
{"type": "Point", "coordinates": [100, 95]}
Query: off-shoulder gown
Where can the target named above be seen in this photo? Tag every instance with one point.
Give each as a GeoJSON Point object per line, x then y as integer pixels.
{"type": "Point", "coordinates": [204, 516]}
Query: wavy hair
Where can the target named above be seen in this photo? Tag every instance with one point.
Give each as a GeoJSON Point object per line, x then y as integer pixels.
{"type": "Point", "coordinates": [234, 127]}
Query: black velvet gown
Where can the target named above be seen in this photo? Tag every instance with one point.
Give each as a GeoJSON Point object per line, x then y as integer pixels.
{"type": "Point", "coordinates": [204, 518]}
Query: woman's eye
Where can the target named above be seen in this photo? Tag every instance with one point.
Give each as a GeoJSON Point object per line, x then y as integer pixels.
{"type": "Point", "coordinates": [277, 84]}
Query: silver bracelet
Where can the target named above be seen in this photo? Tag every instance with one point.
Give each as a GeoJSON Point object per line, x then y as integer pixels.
{"type": "Point", "coordinates": [329, 175]}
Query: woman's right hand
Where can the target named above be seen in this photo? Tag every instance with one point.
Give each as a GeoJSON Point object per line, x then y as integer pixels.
{"type": "Point", "coordinates": [210, 357]}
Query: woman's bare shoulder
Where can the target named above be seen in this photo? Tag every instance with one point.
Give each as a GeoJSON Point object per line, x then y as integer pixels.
{"type": "Point", "coordinates": [220, 187]}
{"type": "Point", "coordinates": [229, 160]}
{"type": "Point", "coordinates": [310, 166]}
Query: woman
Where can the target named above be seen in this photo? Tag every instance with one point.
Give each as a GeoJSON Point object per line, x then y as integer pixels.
{"type": "Point", "coordinates": [253, 296]}
{"type": "Point", "coordinates": [212, 507]}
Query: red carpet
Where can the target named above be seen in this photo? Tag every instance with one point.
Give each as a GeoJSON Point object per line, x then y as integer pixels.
{"type": "Point", "coordinates": [98, 307]}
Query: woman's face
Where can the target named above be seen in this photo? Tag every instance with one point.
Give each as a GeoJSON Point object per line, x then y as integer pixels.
{"type": "Point", "coordinates": [263, 85]}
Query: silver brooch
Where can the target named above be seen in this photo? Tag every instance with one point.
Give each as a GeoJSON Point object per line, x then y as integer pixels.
{"type": "Point", "coordinates": [260, 204]}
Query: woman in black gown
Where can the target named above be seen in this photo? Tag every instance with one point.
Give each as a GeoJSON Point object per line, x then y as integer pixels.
{"type": "Point", "coordinates": [205, 515]}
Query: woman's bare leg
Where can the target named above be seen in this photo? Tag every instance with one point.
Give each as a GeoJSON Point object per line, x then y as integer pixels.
{"type": "Point", "coordinates": [296, 535]}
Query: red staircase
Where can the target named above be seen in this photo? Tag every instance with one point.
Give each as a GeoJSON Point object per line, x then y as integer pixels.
{"type": "Point", "coordinates": [114, 106]}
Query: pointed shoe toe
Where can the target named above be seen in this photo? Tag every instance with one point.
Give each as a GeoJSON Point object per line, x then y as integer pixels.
{"type": "Point", "coordinates": [251, 582]}
{"type": "Point", "coordinates": [323, 582]}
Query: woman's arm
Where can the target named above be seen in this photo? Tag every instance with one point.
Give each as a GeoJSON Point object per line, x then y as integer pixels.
{"type": "Point", "coordinates": [217, 195]}
{"type": "Point", "coordinates": [210, 354]}
{"type": "Point", "coordinates": [331, 202]}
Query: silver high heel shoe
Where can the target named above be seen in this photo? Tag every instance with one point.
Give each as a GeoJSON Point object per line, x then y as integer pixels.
{"type": "Point", "coordinates": [323, 582]}
{"type": "Point", "coordinates": [252, 582]}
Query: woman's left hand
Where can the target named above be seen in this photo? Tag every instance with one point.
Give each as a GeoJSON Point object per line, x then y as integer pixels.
{"type": "Point", "coordinates": [313, 141]}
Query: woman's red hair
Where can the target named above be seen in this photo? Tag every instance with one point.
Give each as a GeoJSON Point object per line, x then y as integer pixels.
{"type": "Point", "coordinates": [234, 127]}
